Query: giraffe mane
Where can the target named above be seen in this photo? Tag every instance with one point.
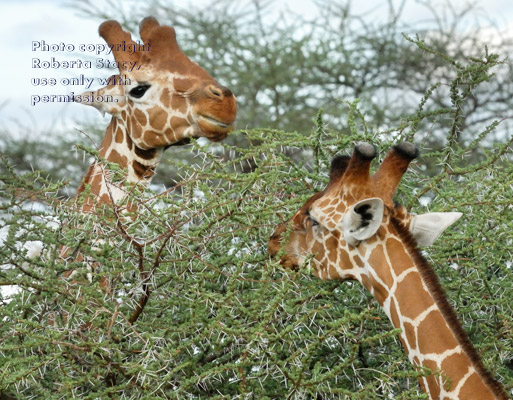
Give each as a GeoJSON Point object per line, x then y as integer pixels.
{"type": "Point", "coordinates": [430, 278]}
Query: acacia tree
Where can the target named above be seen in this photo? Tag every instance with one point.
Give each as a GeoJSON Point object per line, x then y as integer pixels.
{"type": "Point", "coordinates": [196, 309]}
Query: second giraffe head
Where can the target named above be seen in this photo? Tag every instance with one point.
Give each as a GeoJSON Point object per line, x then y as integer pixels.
{"type": "Point", "coordinates": [355, 207]}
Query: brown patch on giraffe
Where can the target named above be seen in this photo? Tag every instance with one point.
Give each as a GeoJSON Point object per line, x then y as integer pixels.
{"type": "Point", "coordinates": [433, 380]}
{"type": "Point", "coordinates": [318, 250]}
{"type": "Point", "coordinates": [95, 183]}
{"type": "Point", "coordinates": [117, 158]}
{"type": "Point", "coordinates": [454, 367]}
{"type": "Point", "coordinates": [119, 135]}
{"type": "Point", "coordinates": [394, 316]}
{"type": "Point", "coordinates": [358, 261]}
{"type": "Point", "coordinates": [416, 362]}
{"type": "Point", "coordinates": [379, 236]}
{"type": "Point", "coordinates": [380, 292]}
{"type": "Point", "coordinates": [373, 239]}
{"type": "Point", "coordinates": [474, 388]}
{"type": "Point", "coordinates": [366, 282]}
{"type": "Point", "coordinates": [124, 115]}
{"type": "Point", "coordinates": [377, 290]}
{"type": "Point", "coordinates": [324, 203]}
{"type": "Point", "coordinates": [158, 118]}
{"type": "Point", "coordinates": [156, 140]}
{"type": "Point", "coordinates": [105, 199]}
{"type": "Point", "coordinates": [165, 97]}
{"type": "Point", "coordinates": [377, 260]}
{"type": "Point", "coordinates": [409, 334]}
{"type": "Point", "coordinates": [333, 273]}
{"type": "Point", "coordinates": [398, 255]}
{"type": "Point", "coordinates": [88, 204]}
{"type": "Point", "coordinates": [435, 322]}
{"type": "Point", "coordinates": [142, 171]}
{"type": "Point", "coordinates": [179, 104]}
{"type": "Point", "coordinates": [129, 142]}
{"type": "Point", "coordinates": [146, 154]}
{"type": "Point", "coordinates": [140, 116]}
{"type": "Point", "coordinates": [333, 252]}
{"type": "Point", "coordinates": [381, 233]}
{"type": "Point", "coordinates": [86, 179]}
{"type": "Point", "coordinates": [182, 85]}
{"type": "Point", "coordinates": [136, 128]}
{"type": "Point", "coordinates": [409, 292]}
{"type": "Point", "coordinates": [319, 271]}
{"type": "Point", "coordinates": [177, 122]}
{"type": "Point", "coordinates": [363, 251]}
{"type": "Point", "coordinates": [330, 211]}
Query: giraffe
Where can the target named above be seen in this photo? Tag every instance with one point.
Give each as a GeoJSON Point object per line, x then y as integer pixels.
{"type": "Point", "coordinates": [355, 231]}
{"type": "Point", "coordinates": [158, 99]}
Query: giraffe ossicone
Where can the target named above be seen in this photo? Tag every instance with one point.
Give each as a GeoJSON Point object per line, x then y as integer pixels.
{"type": "Point", "coordinates": [158, 99]}
{"type": "Point", "coordinates": [353, 229]}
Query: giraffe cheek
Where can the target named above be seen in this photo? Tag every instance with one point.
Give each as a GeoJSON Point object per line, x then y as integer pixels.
{"type": "Point", "coordinates": [179, 105]}
{"type": "Point", "coordinates": [135, 129]}
{"type": "Point", "coordinates": [140, 117]}
{"type": "Point", "coordinates": [178, 126]}
{"type": "Point", "coordinates": [158, 118]}
{"type": "Point", "coordinates": [318, 251]}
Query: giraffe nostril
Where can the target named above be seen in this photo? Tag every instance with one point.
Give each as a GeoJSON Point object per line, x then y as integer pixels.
{"type": "Point", "coordinates": [215, 91]}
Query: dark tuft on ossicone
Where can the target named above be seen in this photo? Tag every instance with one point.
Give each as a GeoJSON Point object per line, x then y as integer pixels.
{"type": "Point", "coordinates": [365, 150]}
{"type": "Point", "coordinates": [407, 150]}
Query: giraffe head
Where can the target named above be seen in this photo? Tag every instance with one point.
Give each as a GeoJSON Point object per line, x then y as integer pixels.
{"type": "Point", "coordinates": [160, 95]}
{"type": "Point", "coordinates": [352, 211]}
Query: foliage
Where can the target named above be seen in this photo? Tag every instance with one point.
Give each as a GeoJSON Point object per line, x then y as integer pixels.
{"type": "Point", "coordinates": [194, 307]}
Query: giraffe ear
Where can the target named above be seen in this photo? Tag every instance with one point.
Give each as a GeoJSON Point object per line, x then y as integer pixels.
{"type": "Point", "coordinates": [362, 220]}
{"type": "Point", "coordinates": [109, 99]}
{"type": "Point", "coordinates": [426, 228]}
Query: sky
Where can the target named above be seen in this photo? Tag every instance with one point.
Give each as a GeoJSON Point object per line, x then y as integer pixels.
{"type": "Point", "coordinates": [55, 21]}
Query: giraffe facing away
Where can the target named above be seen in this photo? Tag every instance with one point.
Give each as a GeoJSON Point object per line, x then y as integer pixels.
{"type": "Point", "coordinates": [354, 230]}
{"type": "Point", "coordinates": [159, 98]}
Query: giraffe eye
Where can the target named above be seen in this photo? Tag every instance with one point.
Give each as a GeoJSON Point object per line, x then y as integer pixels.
{"type": "Point", "coordinates": [313, 221]}
{"type": "Point", "coordinates": [310, 219]}
{"type": "Point", "coordinates": [139, 91]}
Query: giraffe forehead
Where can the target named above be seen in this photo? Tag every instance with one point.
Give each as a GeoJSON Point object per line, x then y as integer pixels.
{"type": "Point", "coordinates": [331, 207]}
{"type": "Point", "coordinates": [330, 216]}
{"type": "Point", "coordinates": [166, 79]}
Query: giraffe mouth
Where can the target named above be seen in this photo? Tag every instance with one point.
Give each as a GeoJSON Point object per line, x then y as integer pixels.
{"type": "Point", "coordinates": [209, 121]}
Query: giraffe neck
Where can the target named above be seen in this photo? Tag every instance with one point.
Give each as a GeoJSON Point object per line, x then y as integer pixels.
{"type": "Point", "coordinates": [137, 165]}
{"type": "Point", "coordinates": [404, 284]}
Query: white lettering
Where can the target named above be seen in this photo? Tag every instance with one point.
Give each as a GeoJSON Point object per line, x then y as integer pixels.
{"type": "Point", "coordinates": [43, 46]}
{"type": "Point", "coordinates": [55, 64]}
